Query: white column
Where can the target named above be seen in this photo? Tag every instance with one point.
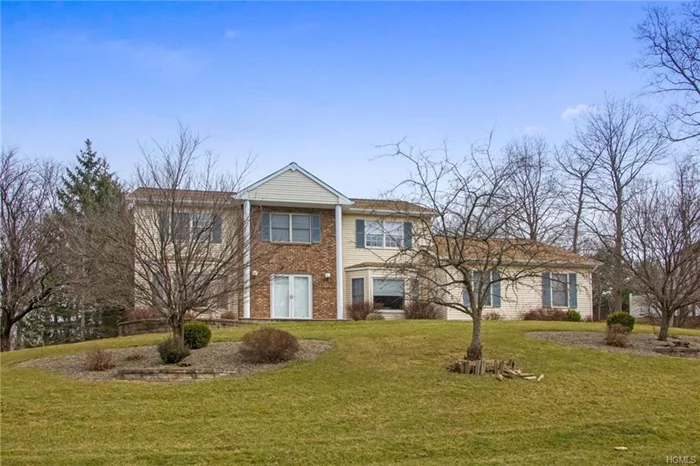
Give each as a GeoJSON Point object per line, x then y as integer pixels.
{"type": "Point", "coordinates": [339, 259]}
{"type": "Point", "coordinates": [246, 259]}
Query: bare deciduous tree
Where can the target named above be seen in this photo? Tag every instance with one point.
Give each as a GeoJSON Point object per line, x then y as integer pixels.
{"type": "Point", "coordinates": [662, 245]}
{"type": "Point", "coordinates": [619, 140]}
{"type": "Point", "coordinates": [458, 252]}
{"type": "Point", "coordinates": [577, 170]}
{"type": "Point", "coordinates": [534, 191]}
{"type": "Point", "coordinates": [27, 190]}
{"type": "Point", "coordinates": [186, 232]}
{"type": "Point", "coordinates": [672, 58]}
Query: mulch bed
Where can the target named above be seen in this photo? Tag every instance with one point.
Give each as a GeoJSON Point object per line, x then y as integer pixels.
{"type": "Point", "coordinates": [216, 356]}
{"type": "Point", "coordinates": [643, 344]}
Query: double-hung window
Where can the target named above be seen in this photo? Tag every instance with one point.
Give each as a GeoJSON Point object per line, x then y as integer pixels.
{"type": "Point", "coordinates": [380, 234]}
{"type": "Point", "coordinates": [291, 228]}
{"type": "Point", "coordinates": [560, 290]}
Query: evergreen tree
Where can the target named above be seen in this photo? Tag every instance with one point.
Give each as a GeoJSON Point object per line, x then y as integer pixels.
{"type": "Point", "coordinates": [88, 185]}
{"type": "Point", "coordinates": [88, 190]}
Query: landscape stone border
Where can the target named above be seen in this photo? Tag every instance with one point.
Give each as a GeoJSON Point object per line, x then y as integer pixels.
{"type": "Point", "coordinates": [169, 374]}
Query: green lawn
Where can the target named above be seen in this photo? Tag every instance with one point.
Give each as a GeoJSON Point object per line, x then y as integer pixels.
{"type": "Point", "coordinates": [380, 396]}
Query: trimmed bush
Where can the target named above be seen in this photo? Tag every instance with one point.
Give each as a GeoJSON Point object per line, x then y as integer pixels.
{"type": "Point", "coordinates": [171, 352]}
{"type": "Point", "coordinates": [269, 345]}
{"type": "Point", "coordinates": [197, 335]}
{"type": "Point", "coordinates": [420, 310]}
{"type": "Point", "coordinates": [617, 335]}
{"type": "Point", "coordinates": [134, 357]}
{"type": "Point", "coordinates": [492, 316]}
{"type": "Point", "coordinates": [228, 315]}
{"type": "Point", "coordinates": [621, 318]}
{"type": "Point", "coordinates": [99, 360]}
{"type": "Point", "coordinates": [573, 316]}
{"type": "Point", "coordinates": [359, 311]}
{"type": "Point", "coordinates": [374, 316]}
{"type": "Point", "coordinates": [546, 314]}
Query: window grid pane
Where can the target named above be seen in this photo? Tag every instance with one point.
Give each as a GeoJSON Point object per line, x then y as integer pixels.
{"type": "Point", "coordinates": [394, 234]}
{"type": "Point", "coordinates": [301, 228]}
{"type": "Point", "coordinates": [374, 234]}
{"type": "Point", "coordinates": [560, 290]}
{"type": "Point", "coordinates": [279, 227]}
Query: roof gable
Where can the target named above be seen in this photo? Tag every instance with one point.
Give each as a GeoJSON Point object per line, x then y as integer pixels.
{"type": "Point", "coordinates": [293, 184]}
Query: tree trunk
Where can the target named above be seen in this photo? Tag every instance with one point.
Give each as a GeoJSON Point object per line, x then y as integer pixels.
{"type": "Point", "coordinates": [474, 350]}
{"type": "Point", "coordinates": [617, 265]}
{"type": "Point", "coordinates": [5, 335]}
{"type": "Point", "coordinates": [177, 323]}
{"type": "Point", "coordinates": [664, 325]}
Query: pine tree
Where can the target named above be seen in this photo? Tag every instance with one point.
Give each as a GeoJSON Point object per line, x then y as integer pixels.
{"type": "Point", "coordinates": [89, 185]}
{"type": "Point", "coordinates": [88, 190]}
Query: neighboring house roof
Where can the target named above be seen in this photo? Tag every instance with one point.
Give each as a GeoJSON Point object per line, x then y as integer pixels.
{"type": "Point", "coordinates": [514, 250]}
{"type": "Point", "coordinates": [154, 194]}
{"type": "Point", "coordinates": [388, 206]}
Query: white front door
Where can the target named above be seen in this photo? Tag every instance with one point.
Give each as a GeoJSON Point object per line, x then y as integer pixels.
{"type": "Point", "coordinates": [291, 297]}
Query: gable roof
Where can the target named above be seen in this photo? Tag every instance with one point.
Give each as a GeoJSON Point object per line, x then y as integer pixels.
{"type": "Point", "coordinates": [293, 167]}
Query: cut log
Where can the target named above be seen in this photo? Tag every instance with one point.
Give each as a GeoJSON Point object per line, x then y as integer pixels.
{"type": "Point", "coordinates": [530, 377]}
{"type": "Point", "coordinates": [539, 379]}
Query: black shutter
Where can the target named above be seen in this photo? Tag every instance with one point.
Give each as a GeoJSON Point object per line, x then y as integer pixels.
{"type": "Point", "coordinates": [216, 229]}
{"type": "Point", "coordinates": [407, 235]}
{"type": "Point", "coordinates": [316, 228]}
{"type": "Point", "coordinates": [265, 226]}
{"type": "Point", "coordinates": [359, 233]}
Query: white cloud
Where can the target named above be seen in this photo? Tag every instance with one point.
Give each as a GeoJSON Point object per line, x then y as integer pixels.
{"type": "Point", "coordinates": [575, 111]}
{"type": "Point", "coordinates": [231, 34]}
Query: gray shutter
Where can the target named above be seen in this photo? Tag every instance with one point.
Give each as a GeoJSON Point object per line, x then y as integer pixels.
{"type": "Point", "coordinates": [316, 229]}
{"type": "Point", "coordinates": [265, 226]}
{"type": "Point", "coordinates": [465, 297]}
{"type": "Point", "coordinates": [496, 289]}
{"type": "Point", "coordinates": [216, 230]}
{"type": "Point", "coordinates": [407, 235]}
{"type": "Point", "coordinates": [546, 290]}
{"type": "Point", "coordinates": [573, 291]}
{"type": "Point", "coordinates": [164, 224]}
{"type": "Point", "coordinates": [359, 233]}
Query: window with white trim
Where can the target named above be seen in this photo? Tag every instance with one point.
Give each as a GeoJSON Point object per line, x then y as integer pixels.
{"type": "Point", "coordinates": [388, 293]}
{"type": "Point", "coordinates": [294, 228]}
{"type": "Point", "coordinates": [381, 234]}
{"type": "Point", "coordinates": [560, 289]}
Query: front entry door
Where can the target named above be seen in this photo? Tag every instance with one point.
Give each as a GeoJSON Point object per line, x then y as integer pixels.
{"type": "Point", "coordinates": [291, 297]}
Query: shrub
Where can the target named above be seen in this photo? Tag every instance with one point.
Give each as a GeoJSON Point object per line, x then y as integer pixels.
{"type": "Point", "coordinates": [546, 314]}
{"type": "Point", "coordinates": [228, 315]}
{"type": "Point", "coordinates": [621, 318]}
{"type": "Point", "coordinates": [172, 352]}
{"type": "Point", "coordinates": [492, 316]}
{"type": "Point", "coordinates": [142, 314]}
{"type": "Point", "coordinates": [617, 335]}
{"type": "Point", "coordinates": [134, 357]}
{"type": "Point", "coordinates": [573, 316]}
{"type": "Point", "coordinates": [374, 316]}
{"type": "Point", "coordinates": [359, 311]}
{"type": "Point", "coordinates": [197, 335]}
{"type": "Point", "coordinates": [99, 360]}
{"type": "Point", "coordinates": [420, 310]}
{"type": "Point", "coordinates": [268, 345]}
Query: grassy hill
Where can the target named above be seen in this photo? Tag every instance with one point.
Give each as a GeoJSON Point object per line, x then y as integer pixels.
{"type": "Point", "coordinates": [380, 395]}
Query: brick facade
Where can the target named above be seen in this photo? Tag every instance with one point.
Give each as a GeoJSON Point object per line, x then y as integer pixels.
{"type": "Point", "coordinates": [294, 258]}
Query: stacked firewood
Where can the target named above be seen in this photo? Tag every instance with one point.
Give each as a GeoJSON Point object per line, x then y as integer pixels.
{"type": "Point", "coordinates": [499, 368]}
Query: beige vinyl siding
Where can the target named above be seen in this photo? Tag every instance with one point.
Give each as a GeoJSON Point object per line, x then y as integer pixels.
{"type": "Point", "coordinates": [525, 295]}
{"type": "Point", "coordinates": [293, 186]}
{"type": "Point", "coordinates": [353, 255]}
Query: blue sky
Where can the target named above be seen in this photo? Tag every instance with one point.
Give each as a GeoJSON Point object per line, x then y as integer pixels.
{"type": "Point", "coordinates": [317, 83]}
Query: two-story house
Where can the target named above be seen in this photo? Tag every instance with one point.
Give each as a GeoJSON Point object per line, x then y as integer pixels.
{"type": "Point", "coordinates": [312, 251]}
